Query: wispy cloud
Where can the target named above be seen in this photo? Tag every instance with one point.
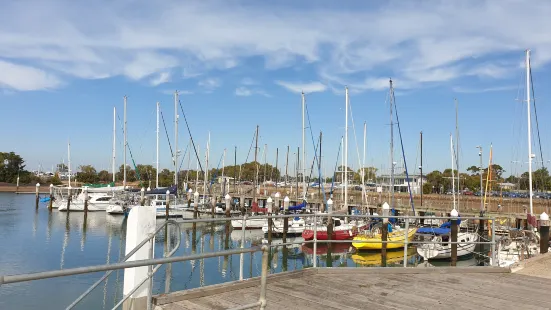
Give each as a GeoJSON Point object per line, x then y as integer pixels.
{"type": "Point", "coordinates": [459, 89]}
{"type": "Point", "coordinates": [162, 78]}
{"type": "Point", "coordinates": [25, 78]}
{"type": "Point", "coordinates": [311, 87]}
{"type": "Point", "coordinates": [180, 92]}
{"type": "Point", "coordinates": [210, 84]}
{"type": "Point", "coordinates": [245, 92]}
{"type": "Point", "coordinates": [248, 81]}
{"type": "Point", "coordinates": [422, 43]}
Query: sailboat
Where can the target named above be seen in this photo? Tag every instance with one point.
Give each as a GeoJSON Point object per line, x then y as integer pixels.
{"type": "Point", "coordinates": [372, 239]}
{"type": "Point", "coordinates": [437, 248]}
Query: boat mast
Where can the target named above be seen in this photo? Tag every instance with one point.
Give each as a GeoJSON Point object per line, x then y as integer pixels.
{"type": "Point", "coordinates": [265, 149]}
{"type": "Point", "coordinates": [157, 152]}
{"type": "Point", "coordinates": [303, 149]}
{"type": "Point", "coordinates": [421, 168]}
{"type": "Point", "coordinates": [69, 160]}
{"type": "Point", "coordinates": [197, 169]}
{"type": "Point", "coordinates": [287, 167]}
{"type": "Point", "coordinates": [223, 179]}
{"type": "Point", "coordinates": [530, 155]}
{"type": "Point", "coordinates": [256, 164]}
{"type": "Point", "coordinates": [364, 198]}
{"type": "Point", "coordinates": [114, 142]}
{"type": "Point", "coordinates": [176, 140]}
{"type": "Point", "coordinates": [346, 151]}
{"type": "Point", "coordinates": [457, 151]}
{"type": "Point", "coordinates": [453, 177]}
{"type": "Point", "coordinates": [391, 148]}
{"type": "Point", "coordinates": [207, 155]}
{"type": "Point", "coordinates": [124, 135]}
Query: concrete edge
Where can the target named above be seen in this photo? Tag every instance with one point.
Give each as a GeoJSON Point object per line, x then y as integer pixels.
{"type": "Point", "coordinates": [528, 262]}
{"type": "Point", "coordinates": [411, 270]}
{"type": "Point", "coordinates": [163, 299]}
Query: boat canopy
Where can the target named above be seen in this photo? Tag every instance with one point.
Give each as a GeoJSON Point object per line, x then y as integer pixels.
{"type": "Point", "coordinates": [162, 190]}
{"type": "Point", "coordinates": [297, 207]}
{"type": "Point", "coordinates": [444, 229]}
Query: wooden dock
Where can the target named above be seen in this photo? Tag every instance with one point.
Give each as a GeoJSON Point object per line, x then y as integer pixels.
{"type": "Point", "coordinates": [380, 288]}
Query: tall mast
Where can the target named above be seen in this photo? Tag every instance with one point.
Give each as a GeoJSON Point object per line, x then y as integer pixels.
{"type": "Point", "coordinates": [265, 149]}
{"type": "Point", "coordinates": [453, 178]}
{"type": "Point", "coordinates": [363, 164]}
{"type": "Point", "coordinates": [277, 171]}
{"type": "Point", "coordinates": [223, 179]}
{"type": "Point", "coordinates": [256, 164]}
{"type": "Point", "coordinates": [176, 140]}
{"type": "Point", "coordinates": [391, 147]}
{"type": "Point", "coordinates": [235, 169]}
{"type": "Point", "coordinates": [207, 155]}
{"type": "Point", "coordinates": [530, 155]}
{"type": "Point", "coordinates": [197, 168]}
{"type": "Point", "coordinates": [69, 160]}
{"type": "Point", "coordinates": [287, 167]}
{"type": "Point", "coordinates": [157, 152]}
{"type": "Point", "coordinates": [457, 151]}
{"type": "Point", "coordinates": [125, 141]}
{"type": "Point", "coordinates": [303, 149]}
{"type": "Point", "coordinates": [114, 142]}
{"type": "Point", "coordinates": [421, 168]}
{"type": "Point", "coordinates": [346, 151]}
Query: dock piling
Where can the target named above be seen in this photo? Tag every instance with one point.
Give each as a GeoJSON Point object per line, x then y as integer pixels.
{"type": "Point", "coordinates": [228, 205]}
{"type": "Point", "coordinates": [286, 201]}
{"type": "Point", "coordinates": [167, 203]}
{"type": "Point", "coordinates": [142, 196]}
{"type": "Point", "coordinates": [85, 201]}
{"type": "Point", "coordinates": [50, 206]}
{"type": "Point", "coordinates": [69, 199]}
{"type": "Point", "coordinates": [270, 223]}
{"type": "Point", "coordinates": [544, 233]}
{"type": "Point", "coordinates": [384, 234]}
{"type": "Point", "coordinates": [195, 204]}
{"type": "Point", "coordinates": [454, 227]}
{"type": "Point", "coordinates": [37, 191]}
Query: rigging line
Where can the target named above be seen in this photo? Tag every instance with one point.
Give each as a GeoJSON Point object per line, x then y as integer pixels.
{"type": "Point", "coordinates": [130, 151]}
{"type": "Point", "coordinates": [190, 136]}
{"type": "Point", "coordinates": [315, 155]}
{"type": "Point", "coordinates": [335, 171]}
{"type": "Point", "coordinates": [536, 115]}
{"type": "Point", "coordinates": [167, 137]}
{"type": "Point", "coordinates": [364, 196]}
{"type": "Point", "coordinates": [248, 154]}
{"type": "Point", "coordinates": [183, 158]}
{"type": "Point", "coordinates": [403, 152]}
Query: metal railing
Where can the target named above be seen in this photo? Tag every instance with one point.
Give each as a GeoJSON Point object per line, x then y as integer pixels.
{"type": "Point", "coordinates": [261, 303]}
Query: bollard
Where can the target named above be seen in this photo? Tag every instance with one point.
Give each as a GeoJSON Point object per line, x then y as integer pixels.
{"type": "Point", "coordinates": [270, 223]}
{"type": "Point", "coordinates": [17, 186]}
{"type": "Point", "coordinates": [189, 195]}
{"type": "Point", "coordinates": [544, 233]}
{"type": "Point", "coordinates": [50, 206]}
{"type": "Point", "coordinates": [37, 197]}
{"type": "Point", "coordinates": [85, 201]}
{"type": "Point", "coordinates": [142, 197]}
{"type": "Point", "coordinates": [454, 214]}
{"type": "Point", "coordinates": [277, 202]}
{"type": "Point", "coordinates": [384, 234]}
{"type": "Point", "coordinates": [195, 204]}
{"type": "Point", "coordinates": [286, 201]}
{"type": "Point", "coordinates": [242, 203]}
{"type": "Point", "coordinates": [314, 255]}
{"type": "Point", "coordinates": [69, 199]}
{"type": "Point", "coordinates": [406, 241]}
{"type": "Point", "coordinates": [167, 203]}
{"type": "Point", "coordinates": [228, 205]}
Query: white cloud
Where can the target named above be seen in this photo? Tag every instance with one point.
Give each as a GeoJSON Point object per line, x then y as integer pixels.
{"type": "Point", "coordinates": [25, 78]}
{"type": "Point", "coordinates": [245, 92]}
{"type": "Point", "coordinates": [459, 89]}
{"type": "Point", "coordinates": [248, 81]}
{"type": "Point", "coordinates": [210, 84]}
{"type": "Point", "coordinates": [312, 87]}
{"type": "Point", "coordinates": [418, 43]}
{"type": "Point", "coordinates": [180, 92]}
{"type": "Point", "coordinates": [162, 78]}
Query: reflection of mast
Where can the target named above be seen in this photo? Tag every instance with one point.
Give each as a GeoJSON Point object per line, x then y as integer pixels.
{"type": "Point", "coordinates": [49, 227]}
{"type": "Point", "coordinates": [108, 259]}
{"type": "Point", "coordinates": [65, 243]}
{"type": "Point", "coordinates": [202, 263]}
{"type": "Point", "coordinates": [168, 269]}
{"type": "Point", "coordinates": [35, 223]}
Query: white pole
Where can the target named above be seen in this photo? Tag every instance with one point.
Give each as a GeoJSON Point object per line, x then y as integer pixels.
{"type": "Point", "coordinates": [363, 164]}
{"type": "Point", "coordinates": [197, 170]}
{"type": "Point", "coordinates": [124, 129]}
{"type": "Point", "coordinates": [530, 155]}
{"type": "Point", "coordinates": [69, 161]}
{"type": "Point", "coordinates": [453, 167]}
{"type": "Point", "coordinates": [223, 184]}
{"type": "Point", "coordinates": [157, 152]}
{"type": "Point", "coordinates": [113, 165]}
{"type": "Point", "coordinates": [346, 153]}
{"type": "Point", "coordinates": [303, 148]}
{"type": "Point", "coordinates": [176, 139]}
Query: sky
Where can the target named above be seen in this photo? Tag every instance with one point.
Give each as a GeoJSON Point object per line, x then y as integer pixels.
{"type": "Point", "coordinates": [237, 64]}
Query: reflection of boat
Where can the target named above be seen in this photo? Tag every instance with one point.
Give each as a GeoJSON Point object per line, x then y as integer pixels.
{"type": "Point", "coordinates": [374, 258]}
{"type": "Point", "coordinates": [295, 227]}
{"type": "Point", "coordinates": [371, 240]}
{"type": "Point", "coordinates": [250, 235]}
{"type": "Point", "coordinates": [322, 248]}
{"type": "Point", "coordinates": [297, 241]}
{"type": "Point", "coordinates": [446, 263]}
{"type": "Point", "coordinates": [249, 223]}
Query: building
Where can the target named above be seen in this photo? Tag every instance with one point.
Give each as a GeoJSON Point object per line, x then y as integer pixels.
{"type": "Point", "coordinates": [507, 186]}
{"type": "Point", "coordinates": [401, 183]}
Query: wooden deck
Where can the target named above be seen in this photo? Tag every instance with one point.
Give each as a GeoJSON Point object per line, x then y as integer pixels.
{"type": "Point", "coordinates": [376, 288]}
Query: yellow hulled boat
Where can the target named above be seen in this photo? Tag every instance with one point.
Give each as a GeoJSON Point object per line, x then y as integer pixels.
{"type": "Point", "coordinates": [371, 240]}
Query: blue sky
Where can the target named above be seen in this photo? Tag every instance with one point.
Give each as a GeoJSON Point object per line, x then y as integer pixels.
{"type": "Point", "coordinates": [64, 65]}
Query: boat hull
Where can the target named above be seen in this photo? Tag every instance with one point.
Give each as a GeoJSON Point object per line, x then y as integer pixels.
{"type": "Point", "coordinates": [249, 224]}
{"type": "Point", "coordinates": [365, 242]}
{"type": "Point", "coordinates": [92, 207]}
{"type": "Point", "coordinates": [340, 234]}
{"type": "Point", "coordinates": [444, 251]}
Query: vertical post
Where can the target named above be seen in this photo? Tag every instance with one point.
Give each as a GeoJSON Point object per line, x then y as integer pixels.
{"type": "Point", "coordinates": [176, 116]}
{"type": "Point", "coordinates": [228, 205]}
{"type": "Point", "coordinates": [113, 163]}
{"type": "Point", "coordinates": [142, 196]}
{"type": "Point", "coordinates": [270, 220]}
{"type": "Point", "coordinates": [544, 233]}
{"type": "Point", "coordinates": [167, 204]}
{"type": "Point", "coordinates": [421, 169]}
{"type": "Point", "coordinates": [195, 204]}
{"type": "Point", "coordinates": [481, 182]}
{"type": "Point", "coordinates": [530, 155]}
{"type": "Point", "coordinates": [384, 234]}
{"type": "Point", "coordinates": [493, 245]}
{"type": "Point", "coordinates": [213, 205]}
{"type": "Point", "coordinates": [264, 277]}
{"type": "Point", "coordinates": [124, 144]}
{"type": "Point", "coordinates": [85, 201]}
{"type": "Point", "coordinates": [242, 202]}
{"type": "Point", "coordinates": [277, 202]}
{"type": "Point", "coordinates": [303, 166]}
{"type": "Point", "coordinates": [241, 256]}
{"type": "Point", "coordinates": [50, 206]}
{"type": "Point", "coordinates": [314, 255]}
{"type": "Point", "coordinates": [37, 194]}
{"type": "Point", "coordinates": [406, 241]}
{"type": "Point", "coordinates": [454, 221]}
{"type": "Point", "coordinates": [345, 154]}
{"type": "Point", "coordinates": [69, 197]}
{"type": "Point", "coordinates": [286, 201]}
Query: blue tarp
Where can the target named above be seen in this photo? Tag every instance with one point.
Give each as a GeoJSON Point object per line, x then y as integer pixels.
{"type": "Point", "coordinates": [432, 230]}
{"type": "Point", "coordinates": [297, 207]}
{"type": "Point", "coordinates": [45, 199]}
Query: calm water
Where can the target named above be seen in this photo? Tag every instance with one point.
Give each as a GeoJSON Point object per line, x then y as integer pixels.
{"type": "Point", "coordinates": [38, 240]}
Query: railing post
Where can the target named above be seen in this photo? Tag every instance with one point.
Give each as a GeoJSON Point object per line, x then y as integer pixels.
{"type": "Point", "coordinates": [242, 257]}
{"type": "Point", "coordinates": [264, 278]}
{"type": "Point", "coordinates": [493, 245]}
{"type": "Point", "coordinates": [315, 263]}
{"type": "Point", "coordinates": [454, 227]}
{"type": "Point", "coordinates": [544, 233]}
{"type": "Point", "coordinates": [406, 240]}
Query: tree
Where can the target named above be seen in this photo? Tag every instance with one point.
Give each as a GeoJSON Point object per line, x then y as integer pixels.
{"type": "Point", "coordinates": [11, 165]}
{"type": "Point", "coordinates": [105, 176]}
{"type": "Point", "coordinates": [130, 174]}
{"type": "Point", "coordinates": [166, 178]}
{"type": "Point", "coordinates": [62, 167]}
{"type": "Point", "coordinates": [370, 174]}
{"type": "Point", "coordinates": [474, 170]}
{"type": "Point", "coordinates": [87, 174]}
{"type": "Point", "coordinates": [55, 179]}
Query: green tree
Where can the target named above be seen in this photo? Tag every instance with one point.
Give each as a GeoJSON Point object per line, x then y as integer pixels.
{"type": "Point", "coordinates": [130, 174]}
{"type": "Point", "coordinates": [105, 176]}
{"type": "Point", "coordinates": [11, 165]}
{"type": "Point", "coordinates": [87, 174]}
{"type": "Point", "coordinates": [166, 178]}
{"type": "Point", "coordinates": [474, 170]}
{"type": "Point", "coordinates": [55, 180]}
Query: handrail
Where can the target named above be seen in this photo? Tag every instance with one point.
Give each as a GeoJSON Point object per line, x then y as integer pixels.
{"type": "Point", "coordinates": [127, 256]}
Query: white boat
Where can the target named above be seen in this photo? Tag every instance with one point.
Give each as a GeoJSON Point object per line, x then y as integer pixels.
{"type": "Point", "coordinates": [518, 245]}
{"type": "Point", "coordinates": [295, 227]}
{"type": "Point", "coordinates": [249, 223]}
{"type": "Point", "coordinates": [96, 202]}
{"type": "Point", "coordinates": [442, 251]}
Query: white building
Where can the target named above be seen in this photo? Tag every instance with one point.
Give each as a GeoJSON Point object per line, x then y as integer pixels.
{"type": "Point", "coordinates": [401, 183]}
